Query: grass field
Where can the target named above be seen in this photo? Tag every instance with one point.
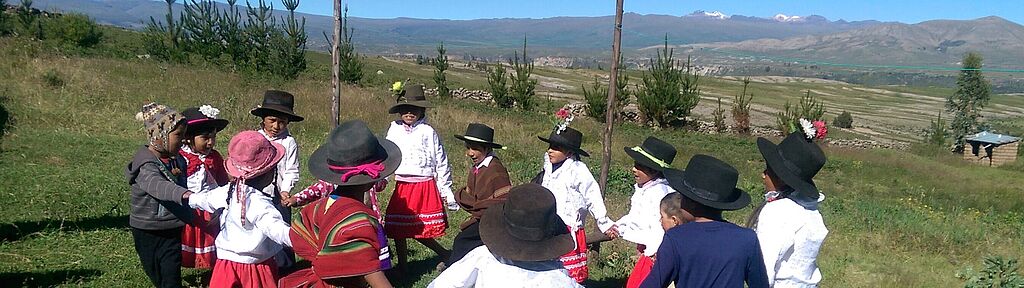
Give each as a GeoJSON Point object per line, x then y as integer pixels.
{"type": "Point", "coordinates": [897, 219]}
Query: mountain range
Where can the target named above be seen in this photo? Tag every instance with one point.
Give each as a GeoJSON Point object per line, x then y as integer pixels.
{"type": "Point", "coordinates": [811, 37]}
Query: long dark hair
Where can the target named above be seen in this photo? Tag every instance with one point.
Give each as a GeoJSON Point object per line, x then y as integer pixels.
{"type": "Point", "coordinates": [783, 193]}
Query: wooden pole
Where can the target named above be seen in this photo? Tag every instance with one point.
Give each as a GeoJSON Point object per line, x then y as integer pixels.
{"type": "Point", "coordinates": [610, 111]}
{"type": "Point", "coordinates": [336, 66]}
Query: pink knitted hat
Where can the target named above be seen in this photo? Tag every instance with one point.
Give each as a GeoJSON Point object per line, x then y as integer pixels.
{"type": "Point", "coordinates": [250, 154]}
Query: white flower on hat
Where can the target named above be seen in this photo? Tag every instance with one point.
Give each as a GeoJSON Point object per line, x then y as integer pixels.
{"type": "Point", "coordinates": [808, 128]}
{"type": "Point", "coordinates": [209, 111]}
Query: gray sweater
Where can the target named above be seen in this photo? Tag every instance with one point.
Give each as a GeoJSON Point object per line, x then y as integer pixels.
{"type": "Point", "coordinates": [155, 198]}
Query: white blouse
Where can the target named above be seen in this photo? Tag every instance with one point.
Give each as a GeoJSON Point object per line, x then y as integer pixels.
{"type": "Point", "coordinates": [423, 156]}
{"type": "Point", "coordinates": [288, 168]}
{"type": "Point", "coordinates": [642, 225]}
{"type": "Point", "coordinates": [790, 238]}
{"type": "Point", "coordinates": [575, 192]}
{"type": "Point", "coordinates": [481, 269]}
{"type": "Point", "coordinates": [259, 238]}
{"type": "Point", "coordinates": [202, 180]}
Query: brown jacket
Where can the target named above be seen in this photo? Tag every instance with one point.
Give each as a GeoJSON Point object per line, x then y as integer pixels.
{"type": "Point", "coordinates": [485, 187]}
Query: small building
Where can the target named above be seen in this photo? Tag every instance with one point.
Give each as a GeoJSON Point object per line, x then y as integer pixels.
{"type": "Point", "coordinates": [991, 149]}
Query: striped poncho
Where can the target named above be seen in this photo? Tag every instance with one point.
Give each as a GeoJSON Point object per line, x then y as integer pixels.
{"type": "Point", "coordinates": [338, 236]}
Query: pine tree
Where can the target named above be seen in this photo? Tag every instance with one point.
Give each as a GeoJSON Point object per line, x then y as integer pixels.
{"type": "Point", "coordinates": [718, 117]}
{"type": "Point", "coordinates": [260, 28]}
{"type": "Point", "coordinates": [669, 93]}
{"type": "Point", "coordinates": [200, 25]}
{"type": "Point", "coordinates": [497, 84]}
{"type": "Point", "coordinates": [597, 96]}
{"type": "Point", "coordinates": [441, 65]}
{"type": "Point", "coordinates": [523, 88]}
{"type": "Point", "coordinates": [162, 38]}
{"type": "Point", "coordinates": [972, 94]}
{"type": "Point", "coordinates": [290, 47]}
{"type": "Point", "coordinates": [5, 27]}
{"type": "Point", "coordinates": [230, 30]}
{"type": "Point", "coordinates": [741, 109]}
{"type": "Point", "coordinates": [936, 133]}
{"type": "Point", "coordinates": [351, 67]}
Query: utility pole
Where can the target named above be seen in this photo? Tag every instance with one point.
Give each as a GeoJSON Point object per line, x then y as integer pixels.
{"type": "Point", "coordinates": [610, 111]}
{"type": "Point", "coordinates": [336, 66]}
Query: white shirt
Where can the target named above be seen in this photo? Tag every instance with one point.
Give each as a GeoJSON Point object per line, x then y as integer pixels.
{"type": "Point", "coordinates": [422, 156]}
{"type": "Point", "coordinates": [642, 225]}
{"type": "Point", "coordinates": [482, 269]}
{"type": "Point", "coordinates": [288, 168]}
{"type": "Point", "coordinates": [791, 237]}
{"type": "Point", "coordinates": [575, 192]}
{"type": "Point", "coordinates": [259, 238]}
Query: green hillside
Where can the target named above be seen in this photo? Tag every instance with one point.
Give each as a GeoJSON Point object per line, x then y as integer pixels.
{"type": "Point", "coordinates": [896, 219]}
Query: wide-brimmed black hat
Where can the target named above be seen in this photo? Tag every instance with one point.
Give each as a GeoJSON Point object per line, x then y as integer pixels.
{"type": "Point", "coordinates": [795, 160]}
{"type": "Point", "coordinates": [197, 118]}
{"type": "Point", "coordinates": [413, 97]}
{"type": "Point", "coordinates": [710, 182]}
{"type": "Point", "coordinates": [280, 102]}
{"type": "Point", "coordinates": [568, 138]}
{"type": "Point", "coordinates": [352, 155]}
{"type": "Point", "coordinates": [526, 227]}
{"type": "Point", "coordinates": [480, 134]}
{"type": "Point", "coordinates": [653, 153]}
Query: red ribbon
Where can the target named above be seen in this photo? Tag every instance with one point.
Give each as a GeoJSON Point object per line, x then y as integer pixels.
{"type": "Point", "coordinates": [372, 169]}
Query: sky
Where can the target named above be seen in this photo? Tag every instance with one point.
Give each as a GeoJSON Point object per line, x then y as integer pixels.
{"type": "Point", "coordinates": [906, 11]}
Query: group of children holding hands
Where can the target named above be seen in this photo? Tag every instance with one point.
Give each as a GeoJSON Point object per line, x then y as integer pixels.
{"type": "Point", "coordinates": [192, 207]}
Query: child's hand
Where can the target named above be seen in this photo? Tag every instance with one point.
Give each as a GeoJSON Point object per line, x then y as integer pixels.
{"type": "Point", "coordinates": [287, 201]}
{"type": "Point", "coordinates": [612, 232]}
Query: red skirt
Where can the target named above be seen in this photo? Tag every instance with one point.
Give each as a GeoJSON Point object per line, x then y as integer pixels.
{"type": "Point", "coordinates": [415, 211]}
{"type": "Point", "coordinates": [640, 271]}
{"type": "Point", "coordinates": [576, 260]}
{"type": "Point", "coordinates": [233, 274]}
{"type": "Point", "coordinates": [197, 239]}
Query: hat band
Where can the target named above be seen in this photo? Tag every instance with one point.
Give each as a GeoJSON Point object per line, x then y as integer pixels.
{"type": "Point", "coordinates": [708, 195]}
{"type": "Point", "coordinates": [372, 169]}
{"type": "Point", "coordinates": [651, 157]}
{"type": "Point", "coordinates": [194, 121]}
{"type": "Point", "coordinates": [789, 165]}
{"type": "Point", "coordinates": [522, 232]}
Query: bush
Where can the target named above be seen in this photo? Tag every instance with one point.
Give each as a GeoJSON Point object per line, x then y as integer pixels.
{"type": "Point", "coordinates": [53, 79]}
{"type": "Point", "coordinates": [998, 272]}
{"type": "Point", "coordinates": [441, 65]}
{"type": "Point", "coordinates": [74, 29]}
{"type": "Point", "coordinates": [741, 109]}
{"type": "Point", "coordinates": [523, 88]}
{"type": "Point", "coordinates": [809, 108]}
{"type": "Point", "coordinates": [844, 120]}
{"type": "Point", "coordinates": [5, 24]}
{"type": "Point", "coordinates": [597, 98]}
{"type": "Point", "coordinates": [497, 84]}
{"type": "Point", "coordinates": [669, 93]}
{"type": "Point", "coordinates": [936, 133]}
{"type": "Point", "coordinates": [719, 117]}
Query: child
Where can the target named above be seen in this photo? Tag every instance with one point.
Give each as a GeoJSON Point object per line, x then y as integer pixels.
{"type": "Point", "coordinates": [204, 172]}
{"type": "Point", "coordinates": [671, 212]}
{"type": "Point", "coordinates": [338, 233]}
{"type": "Point", "coordinates": [157, 194]}
{"type": "Point", "coordinates": [422, 183]}
{"type": "Point", "coordinates": [252, 230]}
{"type": "Point", "coordinates": [523, 238]}
{"type": "Point", "coordinates": [705, 250]}
{"type": "Point", "coordinates": [641, 224]}
{"type": "Point", "coordinates": [575, 191]}
{"type": "Point", "coordinates": [487, 184]}
{"type": "Point", "coordinates": [276, 113]}
{"type": "Point", "coordinates": [788, 224]}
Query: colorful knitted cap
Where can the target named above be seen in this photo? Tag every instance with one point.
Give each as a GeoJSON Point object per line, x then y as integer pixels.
{"type": "Point", "coordinates": [158, 119]}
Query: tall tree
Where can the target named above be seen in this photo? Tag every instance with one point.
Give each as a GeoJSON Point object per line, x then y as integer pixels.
{"type": "Point", "coordinates": [441, 65]}
{"type": "Point", "coordinates": [972, 94]}
{"type": "Point", "coordinates": [200, 24]}
{"type": "Point", "coordinates": [523, 88]}
{"type": "Point", "coordinates": [291, 47]}
{"type": "Point", "coordinates": [351, 67]}
{"type": "Point", "coordinates": [669, 93]}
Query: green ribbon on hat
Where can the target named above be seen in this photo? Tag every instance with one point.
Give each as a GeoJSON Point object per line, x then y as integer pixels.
{"type": "Point", "coordinates": [651, 157]}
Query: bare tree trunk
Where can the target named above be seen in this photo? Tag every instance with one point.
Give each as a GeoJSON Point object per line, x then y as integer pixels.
{"type": "Point", "coordinates": [336, 66]}
{"type": "Point", "coordinates": [610, 111]}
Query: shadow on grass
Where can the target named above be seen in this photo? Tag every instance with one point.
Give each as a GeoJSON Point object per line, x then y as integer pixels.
{"type": "Point", "coordinates": [48, 278]}
{"type": "Point", "coordinates": [17, 230]}
{"type": "Point", "coordinates": [414, 270]}
{"type": "Point", "coordinates": [605, 283]}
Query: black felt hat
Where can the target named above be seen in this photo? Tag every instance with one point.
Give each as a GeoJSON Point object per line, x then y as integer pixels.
{"type": "Point", "coordinates": [480, 134]}
{"type": "Point", "coordinates": [710, 182]}
{"type": "Point", "coordinates": [526, 227]}
{"type": "Point", "coordinates": [653, 153]}
{"type": "Point", "coordinates": [205, 116]}
{"type": "Point", "coordinates": [795, 160]}
{"type": "Point", "coordinates": [277, 102]}
{"type": "Point", "coordinates": [352, 155]}
{"type": "Point", "coordinates": [568, 139]}
{"type": "Point", "coordinates": [413, 97]}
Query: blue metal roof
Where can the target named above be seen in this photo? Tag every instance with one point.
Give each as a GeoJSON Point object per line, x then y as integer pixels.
{"type": "Point", "coordinates": [993, 138]}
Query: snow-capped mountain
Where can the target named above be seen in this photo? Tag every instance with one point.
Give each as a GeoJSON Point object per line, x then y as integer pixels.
{"type": "Point", "coordinates": [783, 18]}
{"type": "Point", "coordinates": [708, 15]}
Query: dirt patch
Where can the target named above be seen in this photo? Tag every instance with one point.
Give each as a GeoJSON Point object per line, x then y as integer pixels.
{"type": "Point", "coordinates": [785, 79]}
